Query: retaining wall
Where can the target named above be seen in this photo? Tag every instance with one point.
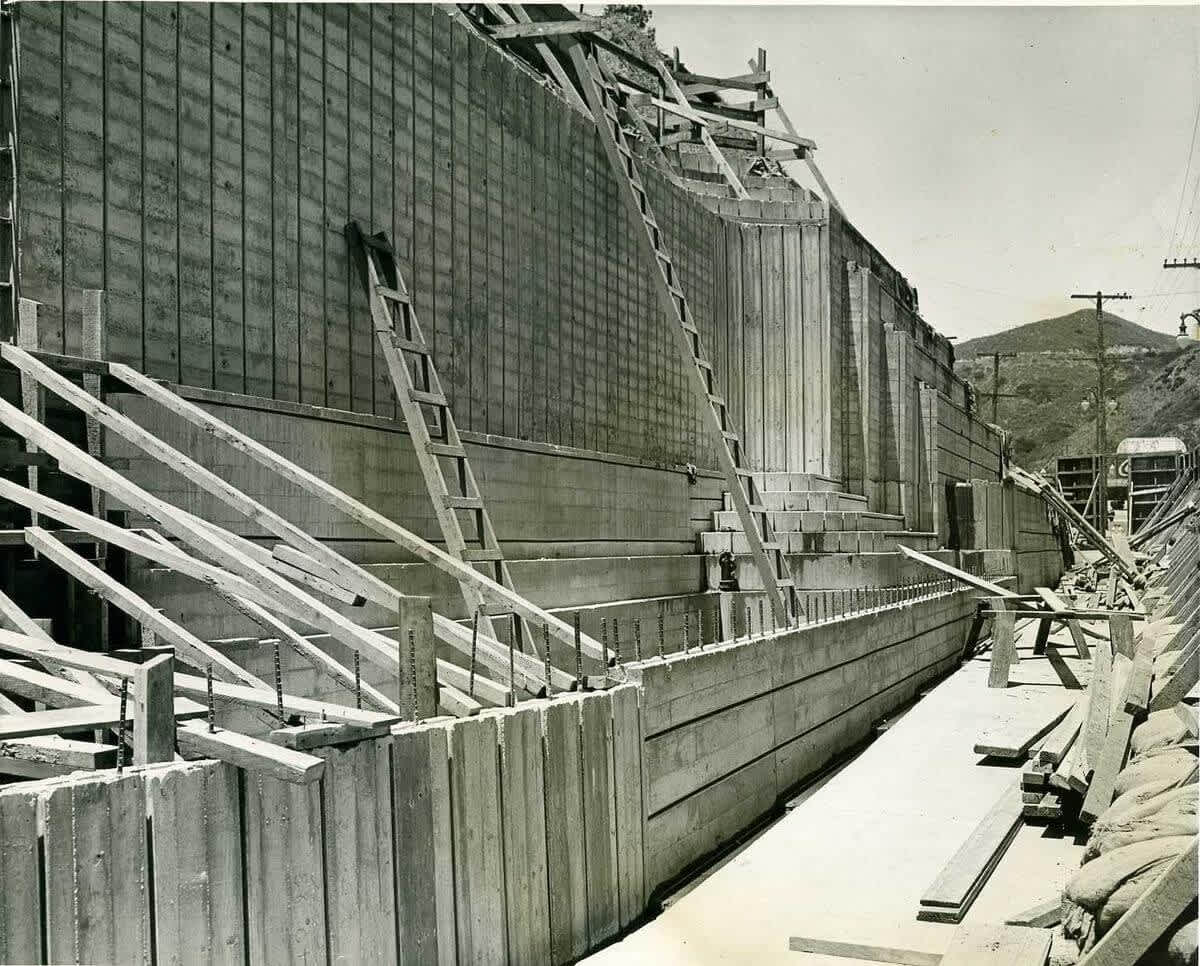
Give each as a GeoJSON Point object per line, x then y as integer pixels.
{"type": "Point", "coordinates": [521, 835]}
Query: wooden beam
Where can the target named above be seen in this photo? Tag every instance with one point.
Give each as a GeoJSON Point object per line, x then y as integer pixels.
{"type": "Point", "coordinates": [13, 617]}
{"type": "Point", "coordinates": [156, 548]}
{"type": "Point", "coordinates": [987, 944]}
{"type": "Point", "coordinates": [1004, 648]}
{"type": "Point", "coordinates": [191, 684]}
{"type": "Point", "coordinates": [154, 711]}
{"type": "Point", "coordinates": [679, 110]}
{"type": "Point", "coordinates": [1042, 916]}
{"type": "Point", "coordinates": [993, 590]}
{"type": "Point", "coordinates": [483, 689]}
{"type": "Point", "coordinates": [354, 509]}
{"type": "Point", "coordinates": [65, 754]}
{"type": "Point", "coordinates": [202, 537]}
{"type": "Point", "coordinates": [252, 754]}
{"type": "Point", "coordinates": [188, 646]}
{"type": "Point", "coordinates": [1180, 679]}
{"type": "Point", "coordinates": [1113, 750]}
{"type": "Point", "coordinates": [49, 689]}
{"type": "Point", "coordinates": [456, 702]}
{"type": "Point", "coordinates": [545, 51]}
{"type": "Point", "coordinates": [545, 28]}
{"type": "Point", "coordinates": [90, 718]}
{"type": "Point", "coordinates": [1149, 916]}
{"type": "Point", "coordinates": [322, 734]}
{"type": "Point", "coordinates": [740, 82]}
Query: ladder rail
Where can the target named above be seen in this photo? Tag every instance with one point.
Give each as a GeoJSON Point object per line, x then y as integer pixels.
{"type": "Point", "coordinates": [773, 569]}
{"type": "Point", "coordinates": [398, 331]}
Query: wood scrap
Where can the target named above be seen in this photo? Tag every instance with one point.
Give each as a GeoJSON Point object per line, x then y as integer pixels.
{"type": "Point", "coordinates": [1112, 755]}
{"type": "Point", "coordinates": [1016, 738]}
{"type": "Point", "coordinates": [1041, 916]}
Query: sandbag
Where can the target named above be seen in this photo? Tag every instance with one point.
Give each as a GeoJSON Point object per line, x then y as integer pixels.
{"type": "Point", "coordinates": [1098, 879]}
{"type": "Point", "coordinates": [1137, 801]}
{"type": "Point", "coordinates": [1161, 729]}
{"type": "Point", "coordinates": [1178, 766]}
{"type": "Point", "coordinates": [1177, 946]}
{"type": "Point", "coordinates": [1174, 815]}
{"type": "Point", "coordinates": [1125, 895]}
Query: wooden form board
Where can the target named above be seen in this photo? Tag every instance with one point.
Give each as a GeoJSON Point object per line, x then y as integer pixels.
{"type": "Point", "coordinates": [329, 864]}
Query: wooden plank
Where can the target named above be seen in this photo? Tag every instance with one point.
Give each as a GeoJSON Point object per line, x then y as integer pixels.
{"type": "Point", "coordinates": [418, 665]}
{"type": "Point", "coordinates": [599, 820]}
{"type": "Point", "coordinates": [1137, 699]}
{"type": "Point", "coordinates": [1095, 726]}
{"type": "Point", "coordinates": [963, 876]}
{"type": "Point", "coordinates": [64, 755]}
{"type": "Point", "coordinates": [1042, 916]}
{"type": "Point", "coordinates": [522, 789]}
{"type": "Point", "coordinates": [1015, 739]}
{"type": "Point", "coordinates": [248, 753]}
{"type": "Point", "coordinates": [20, 907]}
{"type": "Point", "coordinates": [992, 590]}
{"type": "Point", "coordinates": [1004, 648]}
{"type": "Point", "coordinates": [1183, 677]}
{"type": "Point", "coordinates": [359, 879]}
{"type": "Point", "coordinates": [194, 820]}
{"type": "Point", "coordinates": [424, 857]}
{"type": "Point", "coordinates": [1149, 916]}
{"type": "Point", "coordinates": [986, 944]}
{"type": "Point", "coordinates": [630, 810]}
{"type": "Point", "coordinates": [545, 28]}
{"type": "Point", "coordinates": [93, 833]}
{"type": "Point", "coordinates": [47, 689]}
{"type": "Point", "coordinates": [285, 887]}
{"type": "Point", "coordinates": [154, 711]}
{"type": "Point", "coordinates": [874, 954]}
{"type": "Point", "coordinates": [91, 718]}
{"type": "Point", "coordinates": [564, 831]}
{"type": "Point", "coordinates": [1055, 747]}
{"type": "Point", "coordinates": [1120, 629]}
{"type": "Point", "coordinates": [1112, 754]}
{"type": "Point", "coordinates": [1057, 603]}
{"type": "Point", "coordinates": [475, 803]}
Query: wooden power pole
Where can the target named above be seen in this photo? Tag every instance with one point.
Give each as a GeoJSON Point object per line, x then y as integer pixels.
{"type": "Point", "coordinates": [996, 357]}
{"type": "Point", "coordinates": [1101, 402]}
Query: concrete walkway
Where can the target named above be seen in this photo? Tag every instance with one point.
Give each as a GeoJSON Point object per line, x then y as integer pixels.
{"type": "Point", "coordinates": [851, 862]}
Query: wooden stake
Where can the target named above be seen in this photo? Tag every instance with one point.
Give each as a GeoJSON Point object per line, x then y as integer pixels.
{"type": "Point", "coordinates": [154, 711]}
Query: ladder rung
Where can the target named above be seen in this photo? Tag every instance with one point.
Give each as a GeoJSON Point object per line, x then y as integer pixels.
{"type": "Point", "coordinates": [716, 400]}
{"type": "Point", "coordinates": [431, 398]}
{"type": "Point", "coordinates": [394, 294]}
{"type": "Point", "coordinates": [731, 436]}
{"type": "Point", "coordinates": [474, 554]}
{"type": "Point", "coordinates": [772, 546]}
{"type": "Point", "coordinates": [688, 327]}
{"type": "Point", "coordinates": [755, 508]}
{"type": "Point", "coordinates": [447, 449]}
{"type": "Point", "coordinates": [785, 582]}
{"type": "Point", "coordinates": [703, 363]}
{"type": "Point", "coordinates": [463, 502]}
{"type": "Point", "coordinates": [742, 471]}
{"type": "Point", "coordinates": [408, 345]}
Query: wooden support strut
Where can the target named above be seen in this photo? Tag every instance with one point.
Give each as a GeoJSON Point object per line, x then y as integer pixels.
{"type": "Point", "coordinates": [373, 589]}
{"type": "Point", "coordinates": [239, 556]}
{"type": "Point", "coordinates": [398, 331]}
{"type": "Point", "coordinates": [603, 99]}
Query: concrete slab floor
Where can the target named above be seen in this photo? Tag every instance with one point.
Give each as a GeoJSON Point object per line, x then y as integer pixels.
{"type": "Point", "coordinates": [851, 862]}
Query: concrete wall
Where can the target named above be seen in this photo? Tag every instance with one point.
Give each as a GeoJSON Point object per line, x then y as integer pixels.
{"type": "Point", "coordinates": [730, 730]}
{"type": "Point", "coordinates": [524, 835]}
{"type": "Point", "coordinates": [1001, 517]}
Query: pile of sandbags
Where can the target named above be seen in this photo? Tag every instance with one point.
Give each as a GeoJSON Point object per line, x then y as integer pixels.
{"type": "Point", "coordinates": [1152, 819]}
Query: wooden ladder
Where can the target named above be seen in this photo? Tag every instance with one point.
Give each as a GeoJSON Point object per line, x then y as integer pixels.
{"type": "Point", "coordinates": [418, 389]}
{"type": "Point", "coordinates": [604, 100]}
{"type": "Point", "coordinates": [9, 261]}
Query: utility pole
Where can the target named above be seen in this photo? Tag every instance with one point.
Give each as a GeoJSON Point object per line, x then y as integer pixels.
{"type": "Point", "coordinates": [1181, 263]}
{"type": "Point", "coordinates": [1102, 402]}
{"type": "Point", "coordinates": [996, 357]}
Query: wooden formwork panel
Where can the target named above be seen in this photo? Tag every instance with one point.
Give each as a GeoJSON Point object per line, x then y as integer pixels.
{"type": "Point", "coordinates": [20, 897]}
{"type": "Point", "coordinates": [195, 835]}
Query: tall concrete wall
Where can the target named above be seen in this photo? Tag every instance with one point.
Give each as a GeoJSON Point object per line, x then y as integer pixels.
{"type": "Point", "coordinates": [198, 163]}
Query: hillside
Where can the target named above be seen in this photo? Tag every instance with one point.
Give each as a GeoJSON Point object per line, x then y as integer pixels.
{"type": "Point", "coordinates": [1075, 331]}
{"type": "Point", "coordinates": [1157, 389]}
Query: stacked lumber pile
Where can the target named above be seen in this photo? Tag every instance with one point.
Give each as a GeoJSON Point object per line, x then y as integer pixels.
{"type": "Point", "coordinates": [1116, 758]}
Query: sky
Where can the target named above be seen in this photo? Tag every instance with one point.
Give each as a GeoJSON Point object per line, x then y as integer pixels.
{"type": "Point", "coordinates": [1001, 158]}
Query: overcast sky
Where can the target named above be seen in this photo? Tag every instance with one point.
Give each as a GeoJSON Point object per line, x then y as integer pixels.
{"type": "Point", "coordinates": [1000, 158]}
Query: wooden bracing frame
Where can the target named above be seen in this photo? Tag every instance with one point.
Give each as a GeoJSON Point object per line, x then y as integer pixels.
{"type": "Point", "coordinates": [418, 388]}
{"type": "Point", "coordinates": [604, 100]}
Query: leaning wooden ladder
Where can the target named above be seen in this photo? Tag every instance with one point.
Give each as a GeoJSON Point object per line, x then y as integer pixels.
{"type": "Point", "coordinates": [604, 100]}
{"type": "Point", "coordinates": [415, 380]}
